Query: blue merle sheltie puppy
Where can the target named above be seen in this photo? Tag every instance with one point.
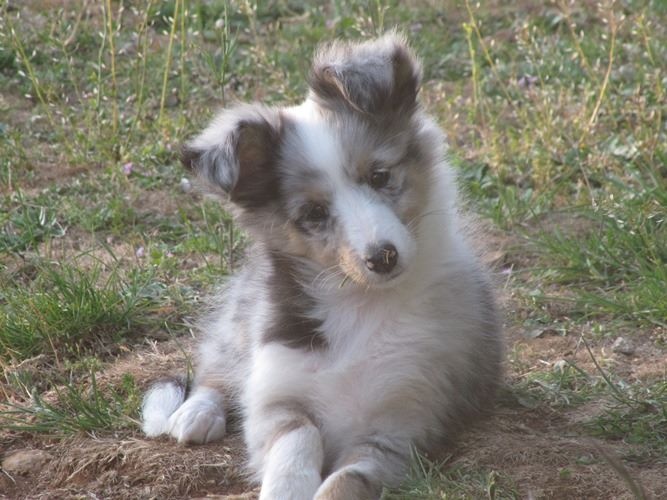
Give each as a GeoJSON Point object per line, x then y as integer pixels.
{"type": "Point", "coordinates": [362, 325]}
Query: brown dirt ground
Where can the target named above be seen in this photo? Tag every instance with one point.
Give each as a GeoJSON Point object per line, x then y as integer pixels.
{"type": "Point", "coordinates": [539, 449]}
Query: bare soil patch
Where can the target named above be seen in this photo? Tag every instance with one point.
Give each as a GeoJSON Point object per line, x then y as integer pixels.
{"type": "Point", "coordinates": [542, 450]}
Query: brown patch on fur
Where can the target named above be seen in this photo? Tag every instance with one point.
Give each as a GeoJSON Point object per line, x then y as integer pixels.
{"type": "Point", "coordinates": [378, 78]}
{"type": "Point", "coordinates": [258, 180]}
{"type": "Point", "coordinates": [292, 326]}
{"type": "Point", "coordinates": [412, 201]}
{"type": "Point", "coordinates": [407, 79]}
{"type": "Point", "coordinates": [240, 159]}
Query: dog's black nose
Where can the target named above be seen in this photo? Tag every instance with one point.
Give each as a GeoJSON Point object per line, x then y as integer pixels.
{"type": "Point", "coordinates": [383, 258]}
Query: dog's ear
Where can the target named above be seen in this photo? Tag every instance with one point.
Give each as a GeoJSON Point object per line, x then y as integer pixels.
{"type": "Point", "coordinates": [236, 155]}
{"type": "Point", "coordinates": [377, 77]}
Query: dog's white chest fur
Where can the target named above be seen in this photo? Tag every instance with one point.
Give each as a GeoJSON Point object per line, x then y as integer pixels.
{"type": "Point", "coordinates": [374, 372]}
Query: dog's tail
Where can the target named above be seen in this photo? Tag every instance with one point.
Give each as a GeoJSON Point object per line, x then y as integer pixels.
{"type": "Point", "coordinates": [162, 399]}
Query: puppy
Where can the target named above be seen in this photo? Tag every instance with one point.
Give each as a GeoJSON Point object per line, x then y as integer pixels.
{"type": "Point", "coordinates": [362, 325]}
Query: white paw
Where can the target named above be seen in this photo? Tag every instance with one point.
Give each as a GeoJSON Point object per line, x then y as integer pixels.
{"type": "Point", "coordinates": [201, 419]}
{"type": "Point", "coordinates": [291, 486]}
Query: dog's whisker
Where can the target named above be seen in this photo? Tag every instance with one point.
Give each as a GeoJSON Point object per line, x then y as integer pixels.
{"type": "Point", "coordinates": [327, 280]}
{"type": "Point", "coordinates": [323, 273]}
{"type": "Point", "coordinates": [345, 280]}
{"type": "Point", "coordinates": [326, 276]}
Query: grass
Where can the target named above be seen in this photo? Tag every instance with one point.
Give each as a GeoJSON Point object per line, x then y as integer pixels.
{"type": "Point", "coordinates": [76, 408]}
{"type": "Point", "coordinates": [437, 480]}
{"type": "Point", "coordinates": [27, 223]}
{"type": "Point", "coordinates": [67, 311]}
{"type": "Point", "coordinates": [619, 260]}
{"type": "Point", "coordinates": [639, 417]}
{"type": "Point", "coordinates": [556, 119]}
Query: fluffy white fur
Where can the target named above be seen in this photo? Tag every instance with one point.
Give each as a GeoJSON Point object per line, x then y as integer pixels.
{"type": "Point", "coordinates": [161, 401]}
{"type": "Point", "coordinates": [338, 370]}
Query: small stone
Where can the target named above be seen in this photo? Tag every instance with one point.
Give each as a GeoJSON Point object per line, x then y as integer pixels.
{"type": "Point", "coordinates": [186, 185]}
{"type": "Point", "coordinates": [527, 81]}
{"type": "Point", "coordinates": [560, 365]}
{"type": "Point", "coordinates": [541, 333]}
{"type": "Point", "coordinates": [172, 101]}
{"type": "Point", "coordinates": [25, 461]}
{"type": "Point", "coordinates": [416, 27]}
{"type": "Point", "coordinates": [623, 346]}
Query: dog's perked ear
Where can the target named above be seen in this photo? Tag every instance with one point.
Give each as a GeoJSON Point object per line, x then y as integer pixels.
{"type": "Point", "coordinates": [379, 77]}
{"type": "Point", "coordinates": [236, 155]}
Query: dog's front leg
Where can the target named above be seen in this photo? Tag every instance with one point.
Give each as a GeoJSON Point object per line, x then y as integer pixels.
{"type": "Point", "coordinates": [288, 447]}
{"type": "Point", "coordinates": [285, 447]}
{"type": "Point", "coordinates": [363, 471]}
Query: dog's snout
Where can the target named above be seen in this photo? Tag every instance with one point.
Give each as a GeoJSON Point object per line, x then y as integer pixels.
{"type": "Point", "coordinates": [383, 258]}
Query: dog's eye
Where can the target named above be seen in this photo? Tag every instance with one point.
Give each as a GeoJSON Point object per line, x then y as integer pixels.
{"type": "Point", "coordinates": [316, 213]}
{"type": "Point", "coordinates": [379, 179]}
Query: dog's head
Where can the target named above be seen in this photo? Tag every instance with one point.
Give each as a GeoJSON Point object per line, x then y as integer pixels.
{"type": "Point", "coordinates": [340, 180]}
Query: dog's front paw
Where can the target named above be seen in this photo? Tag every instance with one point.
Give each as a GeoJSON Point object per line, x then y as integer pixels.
{"type": "Point", "coordinates": [349, 483]}
{"type": "Point", "coordinates": [292, 486]}
{"type": "Point", "coordinates": [201, 419]}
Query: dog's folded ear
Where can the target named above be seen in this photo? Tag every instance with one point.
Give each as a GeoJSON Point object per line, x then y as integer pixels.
{"type": "Point", "coordinates": [378, 77]}
{"type": "Point", "coordinates": [235, 155]}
